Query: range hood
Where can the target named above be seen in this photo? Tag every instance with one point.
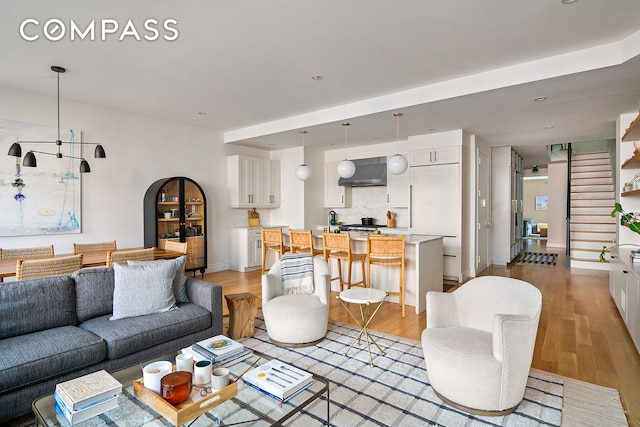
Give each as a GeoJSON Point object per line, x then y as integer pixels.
{"type": "Point", "coordinates": [369, 172]}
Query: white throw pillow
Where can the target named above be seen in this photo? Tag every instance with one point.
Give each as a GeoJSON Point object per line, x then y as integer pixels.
{"type": "Point", "coordinates": [180, 279]}
{"type": "Point", "coordinates": [141, 289]}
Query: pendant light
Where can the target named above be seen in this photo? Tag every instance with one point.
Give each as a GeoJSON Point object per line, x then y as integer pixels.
{"type": "Point", "coordinates": [397, 164]}
{"type": "Point", "coordinates": [303, 172]}
{"type": "Point", "coordinates": [346, 168]}
{"type": "Point", "coordinates": [30, 158]}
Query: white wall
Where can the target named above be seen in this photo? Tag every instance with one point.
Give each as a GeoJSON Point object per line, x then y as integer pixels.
{"type": "Point", "coordinates": [531, 189]}
{"type": "Point", "coordinates": [557, 213]}
{"type": "Point", "coordinates": [140, 150]}
{"type": "Point", "coordinates": [625, 151]}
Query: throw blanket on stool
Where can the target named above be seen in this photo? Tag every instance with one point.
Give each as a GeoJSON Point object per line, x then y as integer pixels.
{"type": "Point", "coordinates": [297, 273]}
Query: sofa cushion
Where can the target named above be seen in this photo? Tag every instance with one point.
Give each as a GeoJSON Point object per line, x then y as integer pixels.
{"type": "Point", "coordinates": [37, 304]}
{"type": "Point", "coordinates": [94, 292]}
{"type": "Point", "coordinates": [142, 289]}
{"type": "Point", "coordinates": [179, 280]}
{"type": "Point", "coordinates": [129, 335]}
{"type": "Point", "coordinates": [42, 355]}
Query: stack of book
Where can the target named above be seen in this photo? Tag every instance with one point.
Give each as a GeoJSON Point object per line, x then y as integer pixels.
{"type": "Point", "coordinates": [278, 379]}
{"type": "Point", "coordinates": [220, 350]}
{"type": "Point", "coordinates": [635, 256]}
{"type": "Point", "coordinates": [87, 396]}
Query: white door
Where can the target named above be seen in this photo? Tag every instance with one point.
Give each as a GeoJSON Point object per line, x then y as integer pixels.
{"type": "Point", "coordinates": [435, 200]}
{"type": "Point", "coordinates": [483, 214]}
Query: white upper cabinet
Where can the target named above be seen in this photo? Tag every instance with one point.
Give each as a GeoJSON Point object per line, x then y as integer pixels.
{"type": "Point", "coordinates": [253, 182]}
{"type": "Point", "coordinates": [335, 196]}
{"type": "Point", "coordinates": [398, 188]}
{"type": "Point", "coordinates": [434, 156]}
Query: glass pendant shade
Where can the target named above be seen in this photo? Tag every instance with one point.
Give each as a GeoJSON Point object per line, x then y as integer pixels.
{"type": "Point", "coordinates": [15, 150]}
{"type": "Point", "coordinates": [346, 168]}
{"type": "Point", "coordinates": [29, 160]}
{"type": "Point", "coordinates": [99, 152]}
{"type": "Point", "coordinates": [397, 164]}
{"type": "Point", "coordinates": [303, 172]}
{"type": "Point", "coordinates": [84, 166]}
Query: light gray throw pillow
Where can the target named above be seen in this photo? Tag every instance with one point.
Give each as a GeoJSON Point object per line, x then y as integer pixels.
{"type": "Point", "coordinates": [142, 289]}
{"type": "Point", "coordinates": [180, 279]}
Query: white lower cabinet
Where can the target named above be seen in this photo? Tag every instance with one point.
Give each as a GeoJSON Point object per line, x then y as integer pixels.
{"type": "Point", "coordinates": [624, 286]}
{"type": "Point", "coordinates": [246, 249]}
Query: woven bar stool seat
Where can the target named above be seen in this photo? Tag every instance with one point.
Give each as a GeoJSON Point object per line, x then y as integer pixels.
{"type": "Point", "coordinates": [387, 251]}
{"type": "Point", "coordinates": [272, 241]}
{"type": "Point", "coordinates": [301, 241]}
{"type": "Point", "coordinates": [338, 247]}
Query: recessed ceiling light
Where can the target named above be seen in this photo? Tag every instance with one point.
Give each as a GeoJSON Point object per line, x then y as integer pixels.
{"type": "Point", "coordinates": [316, 77]}
{"type": "Point", "coordinates": [202, 113]}
{"type": "Point", "coordinates": [431, 129]}
{"type": "Point", "coordinates": [549, 127]}
{"type": "Point", "coordinates": [540, 98]}
{"type": "Point", "coordinates": [567, 1]}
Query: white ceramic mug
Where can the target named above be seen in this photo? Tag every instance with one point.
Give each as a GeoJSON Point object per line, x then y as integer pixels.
{"type": "Point", "coordinates": [153, 373]}
{"type": "Point", "coordinates": [184, 362]}
{"type": "Point", "coordinates": [219, 378]}
{"type": "Point", "coordinates": [202, 372]}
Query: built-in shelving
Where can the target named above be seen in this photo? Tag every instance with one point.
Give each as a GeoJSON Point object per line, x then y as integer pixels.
{"type": "Point", "coordinates": [632, 163]}
{"type": "Point", "coordinates": [633, 132]}
{"type": "Point", "coordinates": [630, 193]}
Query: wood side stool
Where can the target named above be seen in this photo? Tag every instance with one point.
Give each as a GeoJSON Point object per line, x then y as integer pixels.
{"type": "Point", "coordinates": [242, 314]}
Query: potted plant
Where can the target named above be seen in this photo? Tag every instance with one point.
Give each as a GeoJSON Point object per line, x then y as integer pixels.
{"type": "Point", "coordinates": [627, 219]}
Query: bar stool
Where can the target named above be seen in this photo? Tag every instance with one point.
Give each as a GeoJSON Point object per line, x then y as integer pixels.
{"type": "Point", "coordinates": [338, 246]}
{"type": "Point", "coordinates": [272, 241]}
{"type": "Point", "coordinates": [388, 251]}
{"type": "Point", "coordinates": [301, 241]}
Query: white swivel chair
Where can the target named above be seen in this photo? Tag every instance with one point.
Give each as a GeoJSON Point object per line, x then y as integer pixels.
{"type": "Point", "coordinates": [300, 319]}
{"type": "Point", "coordinates": [478, 345]}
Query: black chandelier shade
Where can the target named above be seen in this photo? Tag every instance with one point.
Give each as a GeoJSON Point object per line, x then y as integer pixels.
{"type": "Point", "coordinates": [30, 158]}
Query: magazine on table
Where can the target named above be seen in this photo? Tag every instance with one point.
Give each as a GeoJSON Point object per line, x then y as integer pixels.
{"type": "Point", "coordinates": [222, 361]}
{"type": "Point", "coordinates": [278, 379]}
{"type": "Point", "coordinates": [217, 347]}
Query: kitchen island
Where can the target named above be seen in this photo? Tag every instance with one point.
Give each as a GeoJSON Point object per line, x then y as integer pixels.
{"type": "Point", "coordinates": [423, 268]}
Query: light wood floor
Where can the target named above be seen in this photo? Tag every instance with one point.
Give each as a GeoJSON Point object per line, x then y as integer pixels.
{"type": "Point", "coordinates": [580, 335]}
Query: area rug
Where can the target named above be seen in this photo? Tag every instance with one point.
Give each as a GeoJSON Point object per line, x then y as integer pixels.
{"type": "Point", "coordinates": [397, 391]}
{"type": "Point", "coordinates": [538, 258]}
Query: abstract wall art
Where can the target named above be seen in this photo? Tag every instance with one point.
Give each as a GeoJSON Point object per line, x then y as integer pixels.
{"type": "Point", "coordinates": [43, 199]}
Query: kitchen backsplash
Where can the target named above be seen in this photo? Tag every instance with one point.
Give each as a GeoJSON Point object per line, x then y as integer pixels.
{"type": "Point", "coordinates": [371, 202]}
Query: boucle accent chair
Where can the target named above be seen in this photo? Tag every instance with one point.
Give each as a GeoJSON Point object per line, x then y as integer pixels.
{"type": "Point", "coordinates": [479, 342]}
{"type": "Point", "coordinates": [296, 320]}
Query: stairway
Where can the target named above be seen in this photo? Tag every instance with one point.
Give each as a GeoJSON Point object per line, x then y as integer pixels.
{"type": "Point", "coordinates": [592, 200]}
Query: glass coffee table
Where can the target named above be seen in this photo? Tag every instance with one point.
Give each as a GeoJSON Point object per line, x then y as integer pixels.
{"type": "Point", "coordinates": [249, 406]}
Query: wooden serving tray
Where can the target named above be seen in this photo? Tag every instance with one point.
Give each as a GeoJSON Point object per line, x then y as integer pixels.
{"type": "Point", "coordinates": [188, 410]}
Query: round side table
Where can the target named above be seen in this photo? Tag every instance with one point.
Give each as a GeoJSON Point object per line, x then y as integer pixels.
{"type": "Point", "coordinates": [364, 297]}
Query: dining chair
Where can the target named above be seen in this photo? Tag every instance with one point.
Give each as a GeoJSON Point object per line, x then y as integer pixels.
{"type": "Point", "coordinates": [122, 257]}
{"type": "Point", "coordinates": [79, 248]}
{"type": "Point", "coordinates": [387, 251]}
{"type": "Point", "coordinates": [301, 241]}
{"type": "Point", "coordinates": [272, 241]}
{"type": "Point", "coordinates": [35, 268]}
{"type": "Point", "coordinates": [171, 245]}
{"type": "Point", "coordinates": [17, 253]}
{"type": "Point", "coordinates": [338, 246]}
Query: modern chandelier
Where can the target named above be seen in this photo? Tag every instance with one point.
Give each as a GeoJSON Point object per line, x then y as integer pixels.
{"type": "Point", "coordinates": [303, 172]}
{"type": "Point", "coordinates": [30, 158]}
{"type": "Point", "coordinates": [346, 168]}
{"type": "Point", "coordinates": [397, 164]}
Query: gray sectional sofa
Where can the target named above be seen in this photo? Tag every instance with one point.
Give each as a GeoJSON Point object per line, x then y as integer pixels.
{"type": "Point", "coordinates": [58, 328]}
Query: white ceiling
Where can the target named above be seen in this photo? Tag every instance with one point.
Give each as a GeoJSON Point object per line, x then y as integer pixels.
{"type": "Point", "coordinates": [446, 64]}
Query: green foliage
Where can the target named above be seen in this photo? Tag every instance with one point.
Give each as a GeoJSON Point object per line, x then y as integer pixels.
{"type": "Point", "coordinates": [627, 219]}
